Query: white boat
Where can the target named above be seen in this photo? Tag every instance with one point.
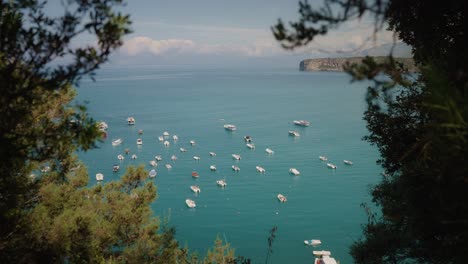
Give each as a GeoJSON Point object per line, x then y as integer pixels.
{"type": "Point", "coordinates": [175, 137]}
{"type": "Point", "coordinates": [195, 188]}
{"type": "Point", "coordinates": [294, 133]}
{"type": "Point", "coordinates": [212, 154]}
{"type": "Point", "coordinates": [115, 168]}
{"type": "Point", "coordinates": [99, 177]}
{"type": "Point", "coordinates": [235, 168]}
{"type": "Point", "coordinates": [182, 150]}
{"type": "Point", "coordinates": [196, 158]}
{"type": "Point", "coordinates": [152, 173]}
{"type": "Point", "coordinates": [248, 139]}
{"type": "Point", "coordinates": [321, 253]}
{"type": "Point", "coordinates": [139, 141]}
{"type": "Point", "coordinates": [269, 151]}
{"type": "Point", "coordinates": [303, 123]}
{"type": "Point", "coordinates": [221, 183]}
{"type": "Point", "coordinates": [230, 127]}
{"type": "Point", "coordinates": [102, 126]}
{"type": "Point", "coordinates": [282, 198]}
{"type": "Point", "coordinates": [323, 158]}
{"type": "Point", "coordinates": [294, 171]}
{"type": "Point", "coordinates": [153, 163]}
{"type": "Point", "coordinates": [236, 156]}
{"type": "Point", "coordinates": [168, 166]}
{"type": "Point", "coordinates": [260, 169]}
{"type": "Point", "coordinates": [331, 166]}
{"type": "Point", "coordinates": [325, 260]}
{"type": "Point", "coordinates": [250, 146]}
{"type": "Point", "coordinates": [174, 157]}
{"type": "Point", "coordinates": [192, 142]}
{"type": "Point", "coordinates": [120, 157]}
{"type": "Point", "coordinates": [131, 121]}
{"type": "Point", "coordinates": [190, 203]}
{"type": "Point", "coordinates": [347, 162]}
{"type": "Point", "coordinates": [166, 134]}
{"type": "Point", "coordinates": [213, 167]}
{"type": "Point", "coordinates": [161, 139]}
{"type": "Point", "coordinates": [312, 242]}
{"type": "Point", "coordinates": [117, 142]}
{"type": "Point", "coordinates": [134, 156]}
{"type": "Point", "coordinates": [158, 157]}
{"type": "Point", "coordinates": [166, 143]}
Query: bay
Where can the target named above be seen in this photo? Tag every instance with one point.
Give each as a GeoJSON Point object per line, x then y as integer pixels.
{"type": "Point", "coordinates": [194, 103]}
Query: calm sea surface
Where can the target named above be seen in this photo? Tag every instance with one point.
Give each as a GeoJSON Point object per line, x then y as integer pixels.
{"type": "Point", "coordinates": [194, 104]}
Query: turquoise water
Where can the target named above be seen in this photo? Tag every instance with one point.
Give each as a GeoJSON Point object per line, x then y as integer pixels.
{"type": "Point", "coordinates": [195, 104]}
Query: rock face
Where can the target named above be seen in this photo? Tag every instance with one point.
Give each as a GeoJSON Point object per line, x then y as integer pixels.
{"type": "Point", "coordinates": [336, 64]}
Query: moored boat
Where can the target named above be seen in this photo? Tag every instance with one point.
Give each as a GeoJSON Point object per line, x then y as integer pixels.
{"type": "Point", "coordinates": [102, 126]}
{"type": "Point", "coordinates": [153, 163]}
{"type": "Point", "coordinates": [235, 168]}
{"type": "Point", "coordinates": [250, 145]}
{"type": "Point", "coordinates": [166, 134]}
{"type": "Point", "coordinates": [294, 171]}
{"type": "Point", "coordinates": [175, 137]}
{"type": "Point", "coordinates": [166, 143]}
{"type": "Point", "coordinates": [282, 198]}
{"type": "Point", "coordinates": [140, 132]}
{"type": "Point", "coordinates": [212, 154]}
{"type": "Point", "coordinates": [269, 151]}
{"type": "Point", "coordinates": [321, 253]}
{"type": "Point", "coordinates": [312, 242]}
{"type": "Point", "coordinates": [221, 183]}
{"type": "Point", "coordinates": [294, 133]}
{"type": "Point", "coordinates": [303, 123]}
{"type": "Point", "coordinates": [168, 166]}
{"type": "Point", "coordinates": [117, 142]}
{"type": "Point", "coordinates": [115, 168]}
{"type": "Point", "coordinates": [195, 188]}
{"type": "Point", "coordinates": [192, 142]}
{"type": "Point", "coordinates": [152, 173]}
{"type": "Point", "coordinates": [323, 158]}
{"type": "Point", "coordinates": [158, 157]}
{"type": "Point", "coordinates": [134, 156]}
{"type": "Point", "coordinates": [182, 150]}
{"type": "Point", "coordinates": [190, 203]}
{"type": "Point", "coordinates": [160, 139]}
{"type": "Point", "coordinates": [331, 166]}
{"type": "Point", "coordinates": [347, 162]}
{"type": "Point", "coordinates": [248, 139]}
{"type": "Point", "coordinates": [174, 157]}
{"type": "Point", "coordinates": [99, 176]}
{"type": "Point", "coordinates": [195, 174]}
{"type": "Point", "coordinates": [236, 156]}
{"type": "Point", "coordinates": [139, 141]}
{"type": "Point", "coordinates": [196, 158]}
{"type": "Point", "coordinates": [213, 167]}
{"type": "Point", "coordinates": [120, 157]}
{"type": "Point", "coordinates": [260, 169]}
{"type": "Point", "coordinates": [230, 127]}
{"type": "Point", "coordinates": [131, 121]}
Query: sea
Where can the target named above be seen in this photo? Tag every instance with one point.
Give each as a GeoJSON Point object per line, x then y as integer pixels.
{"type": "Point", "coordinates": [194, 103]}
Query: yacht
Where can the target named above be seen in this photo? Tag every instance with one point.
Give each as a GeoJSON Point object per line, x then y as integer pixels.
{"type": "Point", "coordinates": [323, 158]}
{"type": "Point", "coordinates": [152, 173]}
{"type": "Point", "coordinates": [331, 166]}
{"type": "Point", "coordinates": [303, 123]}
{"type": "Point", "coordinates": [221, 183]}
{"type": "Point", "coordinates": [131, 121]}
{"type": "Point", "coordinates": [312, 242]}
{"type": "Point", "coordinates": [134, 156]}
{"type": "Point", "coordinates": [99, 177]}
{"type": "Point", "coordinates": [192, 142]}
{"type": "Point", "coordinates": [250, 146]}
{"type": "Point", "coordinates": [195, 174]}
{"type": "Point", "coordinates": [158, 157]}
{"type": "Point", "coordinates": [166, 143]}
{"type": "Point", "coordinates": [120, 157]}
{"type": "Point", "coordinates": [182, 150]}
{"type": "Point", "coordinates": [174, 157]}
{"type": "Point", "coordinates": [294, 171]}
{"type": "Point", "coordinates": [117, 142]}
{"type": "Point", "coordinates": [260, 169]}
{"type": "Point", "coordinates": [235, 168]}
{"type": "Point", "coordinates": [213, 167]}
{"type": "Point", "coordinates": [248, 139]}
{"type": "Point", "coordinates": [195, 188]}
{"type": "Point", "coordinates": [230, 127]}
{"type": "Point", "coordinates": [294, 133]}
{"type": "Point", "coordinates": [190, 203]}
{"type": "Point", "coordinates": [153, 163]}
{"type": "Point", "coordinates": [212, 154]}
{"type": "Point", "coordinates": [236, 156]}
{"type": "Point", "coordinates": [282, 198]}
{"type": "Point", "coordinates": [269, 151]}
{"type": "Point", "coordinates": [166, 134]}
{"type": "Point", "coordinates": [139, 141]}
{"type": "Point", "coordinates": [196, 158]}
{"type": "Point", "coordinates": [175, 137]}
{"type": "Point", "coordinates": [168, 166]}
{"type": "Point", "coordinates": [347, 162]}
{"type": "Point", "coordinates": [161, 139]}
{"type": "Point", "coordinates": [115, 168]}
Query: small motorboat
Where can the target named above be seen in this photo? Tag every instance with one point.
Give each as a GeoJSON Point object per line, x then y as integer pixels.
{"type": "Point", "coordinates": [166, 134]}
{"type": "Point", "coordinates": [127, 151]}
{"type": "Point", "coordinates": [303, 123]}
{"type": "Point", "coordinates": [236, 156]}
{"type": "Point", "coordinates": [294, 133]}
{"type": "Point", "coordinates": [168, 166]}
{"type": "Point", "coordinates": [260, 169]}
{"type": "Point", "coordinates": [175, 137]}
{"type": "Point", "coordinates": [139, 141]}
{"type": "Point", "coordinates": [158, 157]}
{"type": "Point", "coordinates": [230, 127]}
{"type": "Point", "coordinates": [117, 142]}
{"type": "Point", "coordinates": [120, 157]}
{"type": "Point", "coordinates": [153, 163]}
{"type": "Point", "coordinates": [182, 150]}
{"type": "Point", "coordinates": [248, 139]}
{"type": "Point", "coordinates": [250, 145]}
{"type": "Point", "coordinates": [213, 167]}
{"type": "Point", "coordinates": [166, 143]}
{"type": "Point", "coordinates": [140, 132]}
{"type": "Point", "coordinates": [294, 171]}
{"type": "Point", "coordinates": [347, 162]}
{"type": "Point", "coordinates": [134, 156]}
{"type": "Point", "coordinates": [282, 198]}
{"type": "Point", "coordinates": [221, 183]}
{"type": "Point", "coordinates": [115, 168]}
{"type": "Point", "coordinates": [331, 166]}
{"type": "Point", "coordinates": [235, 168]}
{"type": "Point", "coordinates": [269, 151]}
{"type": "Point", "coordinates": [192, 142]}
{"type": "Point", "coordinates": [99, 177]}
{"type": "Point", "coordinates": [312, 242]}
{"type": "Point", "coordinates": [323, 158]}
{"type": "Point", "coordinates": [190, 203]}
{"type": "Point", "coordinates": [131, 121]}
{"type": "Point", "coordinates": [102, 126]}
{"type": "Point", "coordinates": [195, 174]}
{"type": "Point", "coordinates": [196, 158]}
{"type": "Point", "coordinates": [195, 188]}
{"type": "Point", "coordinates": [174, 157]}
{"type": "Point", "coordinates": [152, 173]}
{"type": "Point", "coordinates": [212, 154]}
{"type": "Point", "coordinates": [161, 139]}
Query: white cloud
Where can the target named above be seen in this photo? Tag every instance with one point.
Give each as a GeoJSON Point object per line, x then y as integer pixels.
{"type": "Point", "coordinates": [139, 45]}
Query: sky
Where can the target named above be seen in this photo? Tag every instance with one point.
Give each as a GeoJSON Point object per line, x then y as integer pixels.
{"type": "Point", "coordinates": [228, 32]}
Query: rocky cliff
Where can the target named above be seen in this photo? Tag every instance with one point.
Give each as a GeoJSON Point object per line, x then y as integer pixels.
{"type": "Point", "coordinates": [336, 64]}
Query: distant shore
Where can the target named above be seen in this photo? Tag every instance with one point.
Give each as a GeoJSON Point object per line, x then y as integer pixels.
{"type": "Point", "coordinates": [336, 64]}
